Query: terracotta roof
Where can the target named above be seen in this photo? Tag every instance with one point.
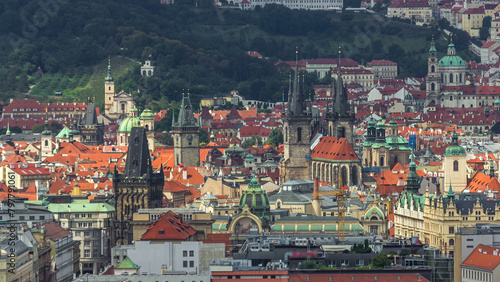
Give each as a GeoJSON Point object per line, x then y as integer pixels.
{"type": "Point", "coordinates": [54, 231]}
{"type": "Point", "coordinates": [175, 186]}
{"type": "Point", "coordinates": [331, 148]}
{"type": "Point", "coordinates": [169, 226]}
{"type": "Point", "coordinates": [233, 113]}
{"type": "Point", "coordinates": [483, 257]}
{"type": "Point", "coordinates": [482, 182]}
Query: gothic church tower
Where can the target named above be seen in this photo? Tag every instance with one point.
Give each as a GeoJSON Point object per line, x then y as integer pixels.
{"type": "Point", "coordinates": [186, 133]}
{"type": "Point", "coordinates": [137, 188]}
{"type": "Point", "coordinates": [297, 134]}
{"type": "Point", "coordinates": [340, 118]}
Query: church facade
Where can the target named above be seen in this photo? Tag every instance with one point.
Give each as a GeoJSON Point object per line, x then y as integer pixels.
{"type": "Point", "coordinates": [446, 79]}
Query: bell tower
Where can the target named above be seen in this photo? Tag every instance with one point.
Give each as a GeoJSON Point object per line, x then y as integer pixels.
{"type": "Point", "coordinates": [433, 82]}
{"type": "Point", "coordinates": [340, 117]}
{"type": "Point", "coordinates": [297, 133]}
{"type": "Point", "coordinates": [109, 90]}
{"type": "Point", "coordinates": [186, 133]}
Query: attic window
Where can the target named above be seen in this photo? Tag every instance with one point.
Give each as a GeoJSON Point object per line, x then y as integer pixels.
{"type": "Point", "coordinates": [161, 232]}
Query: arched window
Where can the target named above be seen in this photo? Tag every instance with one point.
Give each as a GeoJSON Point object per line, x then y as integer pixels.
{"type": "Point", "coordinates": [299, 134]}
{"type": "Point", "coordinates": [451, 98]}
{"type": "Point", "coordinates": [46, 143]}
{"type": "Point", "coordinates": [149, 73]}
{"type": "Point", "coordinates": [381, 161]}
{"type": "Point", "coordinates": [460, 76]}
{"type": "Point", "coordinates": [286, 134]}
{"type": "Point", "coordinates": [451, 78]}
{"type": "Point", "coordinates": [433, 86]}
{"type": "Point", "coordinates": [452, 242]}
{"type": "Point", "coordinates": [442, 78]}
{"type": "Point", "coordinates": [433, 68]}
{"type": "Point", "coordinates": [455, 166]}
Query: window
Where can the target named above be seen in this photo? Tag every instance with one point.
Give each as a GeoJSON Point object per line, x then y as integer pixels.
{"type": "Point", "coordinates": [299, 134]}
{"type": "Point", "coordinates": [455, 166]}
{"type": "Point", "coordinates": [184, 253]}
{"type": "Point", "coordinates": [451, 230]}
{"type": "Point", "coordinates": [185, 264]}
{"type": "Point", "coordinates": [191, 253]}
{"type": "Point", "coordinates": [42, 217]}
{"type": "Point", "coordinates": [32, 217]}
{"type": "Point", "coordinates": [87, 253]}
{"type": "Point", "coordinates": [21, 217]}
{"type": "Point", "coordinates": [191, 263]}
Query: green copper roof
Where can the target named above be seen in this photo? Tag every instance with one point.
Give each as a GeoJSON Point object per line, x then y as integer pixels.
{"type": "Point", "coordinates": [497, 102]}
{"type": "Point", "coordinates": [147, 114]}
{"type": "Point", "coordinates": [256, 199]}
{"type": "Point", "coordinates": [371, 122]}
{"type": "Point", "coordinates": [127, 124]}
{"type": "Point", "coordinates": [46, 131]}
{"type": "Point", "coordinates": [8, 129]}
{"type": "Point", "coordinates": [451, 59]}
{"type": "Point", "coordinates": [109, 78]}
{"type": "Point", "coordinates": [64, 133]}
{"type": "Point", "coordinates": [80, 206]}
{"type": "Point", "coordinates": [127, 264]}
{"type": "Point", "coordinates": [455, 149]}
{"type": "Point", "coordinates": [432, 50]}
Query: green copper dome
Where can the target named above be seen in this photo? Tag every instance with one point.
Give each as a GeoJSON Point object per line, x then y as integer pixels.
{"type": "Point", "coordinates": [497, 102]}
{"type": "Point", "coordinates": [393, 122]}
{"type": "Point", "coordinates": [451, 59]}
{"type": "Point", "coordinates": [147, 114]}
{"type": "Point", "coordinates": [371, 122]}
{"type": "Point", "coordinates": [256, 199]}
{"type": "Point", "coordinates": [380, 124]}
{"type": "Point", "coordinates": [455, 149]}
{"type": "Point", "coordinates": [249, 158]}
{"type": "Point", "coordinates": [127, 124]}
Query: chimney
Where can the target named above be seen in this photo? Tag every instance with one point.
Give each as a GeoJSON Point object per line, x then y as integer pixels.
{"type": "Point", "coordinates": [184, 174]}
{"type": "Point", "coordinates": [316, 189]}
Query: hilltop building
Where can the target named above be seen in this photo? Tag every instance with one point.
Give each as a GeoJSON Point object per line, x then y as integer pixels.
{"type": "Point", "coordinates": [116, 106]}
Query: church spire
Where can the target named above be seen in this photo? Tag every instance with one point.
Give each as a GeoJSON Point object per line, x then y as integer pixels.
{"type": "Point", "coordinates": [296, 105]}
{"type": "Point", "coordinates": [450, 192]}
{"type": "Point", "coordinates": [432, 50]}
{"type": "Point", "coordinates": [341, 92]}
{"type": "Point", "coordinates": [138, 163]}
{"type": "Point", "coordinates": [186, 117]}
{"type": "Point", "coordinates": [412, 179]}
{"type": "Point", "coordinates": [109, 78]}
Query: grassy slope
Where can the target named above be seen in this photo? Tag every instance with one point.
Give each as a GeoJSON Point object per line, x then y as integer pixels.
{"type": "Point", "coordinates": [95, 85]}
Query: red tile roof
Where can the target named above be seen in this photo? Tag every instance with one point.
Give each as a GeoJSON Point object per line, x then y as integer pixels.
{"type": "Point", "coordinates": [169, 226]}
{"type": "Point", "coordinates": [54, 231]}
{"type": "Point", "coordinates": [331, 148]}
{"type": "Point", "coordinates": [483, 257]}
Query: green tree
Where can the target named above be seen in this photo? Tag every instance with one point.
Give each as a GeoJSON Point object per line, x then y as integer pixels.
{"type": "Point", "coordinates": [381, 261]}
{"type": "Point", "coordinates": [204, 136]}
{"type": "Point", "coordinates": [251, 142]}
{"type": "Point", "coordinates": [404, 252]}
{"type": "Point", "coordinates": [37, 128]}
{"type": "Point", "coordinates": [484, 32]}
{"type": "Point", "coordinates": [55, 127]}
{"type": "Point", "coordinates": [309, 265]}
{"type": "Point", "coordinates": [165, 139]}
{"type": "Point", "coordinates": [275, 138]}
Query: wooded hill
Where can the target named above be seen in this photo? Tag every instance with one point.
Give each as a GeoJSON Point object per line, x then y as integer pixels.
{"type": "Point", "coordinates": [193, 44]}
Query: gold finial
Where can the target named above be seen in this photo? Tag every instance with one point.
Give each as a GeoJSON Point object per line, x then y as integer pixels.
{"type": "Point", "coordinates": [451, 37]}
{"type": "Point", "coordinates": [297, 50]}
{"type": "Point", "coordinates": [340, 51]}
{"type": "Point", "coordinates": [46, 109]}
{"type": "Point", "coordinates": [188, 92]}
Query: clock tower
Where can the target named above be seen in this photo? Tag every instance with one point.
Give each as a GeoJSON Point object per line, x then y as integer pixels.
{"type": "Point", "coordinates": [186, 133]}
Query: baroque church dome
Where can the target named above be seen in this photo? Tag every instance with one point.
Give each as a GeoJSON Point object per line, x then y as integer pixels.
{"type": "Point", "coordinates": [451, 59]}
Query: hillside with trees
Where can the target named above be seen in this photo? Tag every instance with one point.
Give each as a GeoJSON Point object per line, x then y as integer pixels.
{"type": "Point", "coordinates": [193, 44]}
